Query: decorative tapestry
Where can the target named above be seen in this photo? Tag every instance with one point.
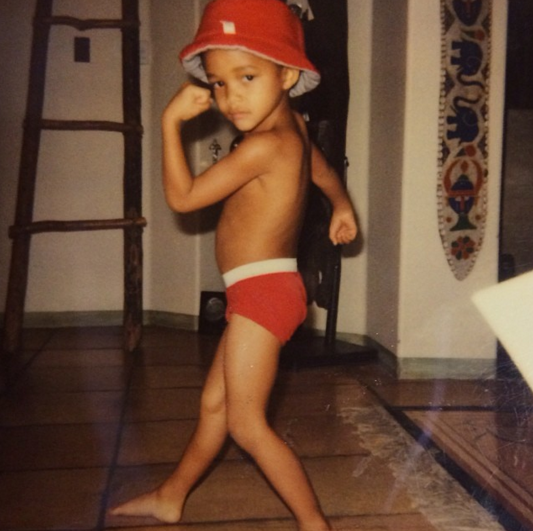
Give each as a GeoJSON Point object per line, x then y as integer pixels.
{"type": "Point", "coordinates": [462, 180]}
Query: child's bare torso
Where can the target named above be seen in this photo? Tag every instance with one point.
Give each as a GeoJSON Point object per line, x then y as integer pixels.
{"type": "Point", "coordinates": [262, 220]}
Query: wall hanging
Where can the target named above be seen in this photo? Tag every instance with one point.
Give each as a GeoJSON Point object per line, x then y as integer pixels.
{"type": "Point", "coordinates": [463, 132]}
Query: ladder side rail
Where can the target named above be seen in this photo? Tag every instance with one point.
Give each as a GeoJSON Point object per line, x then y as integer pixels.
{"type": "Point", "coordinates": [20, 252]}
{"type": "Point", "coordinates": [133, 252]}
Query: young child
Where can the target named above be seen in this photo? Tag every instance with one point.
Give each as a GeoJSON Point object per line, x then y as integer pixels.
{"type": "Point", "coordinates": [251, 54]}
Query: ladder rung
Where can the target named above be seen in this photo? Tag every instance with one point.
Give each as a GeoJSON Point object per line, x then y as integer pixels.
{"type": "Point", "coordinates": [90, 125]}
{"type": "Point", "coordinates": [73, 226]}
{"type": "Point", "coordinates": [90, 23]}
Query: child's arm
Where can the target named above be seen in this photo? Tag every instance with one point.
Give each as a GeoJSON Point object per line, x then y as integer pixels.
{"type": "Point", "coordinates": [343, 227]}
{"type": "Point", "coordinates": [183, 191]}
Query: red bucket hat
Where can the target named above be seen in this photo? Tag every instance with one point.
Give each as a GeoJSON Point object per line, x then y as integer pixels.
{"type": "Point", "coordinates": [267, 28]}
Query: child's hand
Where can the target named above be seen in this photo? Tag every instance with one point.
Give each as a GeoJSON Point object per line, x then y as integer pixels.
{"type": "Point", "coordinates": [190, 101]}
{"type": "Point", "coordinates": [343, 227]}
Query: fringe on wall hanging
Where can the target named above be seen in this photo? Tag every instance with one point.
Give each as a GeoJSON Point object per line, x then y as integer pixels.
{"type": "Point", "coordinates": [463, 132]}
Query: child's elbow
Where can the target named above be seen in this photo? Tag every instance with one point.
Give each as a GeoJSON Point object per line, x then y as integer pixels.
{"type": "Point", "coordinates": [179, 205]}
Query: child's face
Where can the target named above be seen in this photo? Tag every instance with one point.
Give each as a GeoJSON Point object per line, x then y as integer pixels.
{"type": "Point", "coordinates": [248, 89]}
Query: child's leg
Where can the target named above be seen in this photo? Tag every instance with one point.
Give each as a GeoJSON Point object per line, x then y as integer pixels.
{"type": "Point", "coordinates": [251, 363]}
{"type": "Point", "coordinates": [166, 502]}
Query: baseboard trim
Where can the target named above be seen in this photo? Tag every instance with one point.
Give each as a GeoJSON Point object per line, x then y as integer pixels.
{"type": "Point", "coordinates": [435, 368]}
{"type": "Point", "coordinates": [181, 321]}
{"type": "Point", "coordinates": [443, 368]}
{"type": "Point", "coordinates": [105, 318]}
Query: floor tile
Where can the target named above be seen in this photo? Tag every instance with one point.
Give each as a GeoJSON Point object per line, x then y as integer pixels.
{"type": "Point", "coordinates": [39, 379]}
{"type": "Point", "coordinates": [82, 358]}
{"type": "Point", "coordinates": [163, 442]}
{"type": "Point", "coordinates": [319, 436]}
{"type": "Point", "coordinates": [154, 442]}
{"type": "Point", "coordinates": [57, 446]}
{"type": "Point", "coordinates": [172, 355]}
{"type": "Point", "coordinates": [336, 375]}
{"type": "Point", "coordinates": [395, 522]}
{"type": "Point", "coordinates": [356, 485]}
{"type": "Point", "coordinates": [392, 522]}
{"type": "Point", "coordinates": [319, 400]}
{"type": "Point", "coordinates": [493, 448]}
{"type": "Point", "coordinates": [162, 404]}
{"type": "Point", "coordinates": [51, 499]}
{"type": "Point", "coordinates": [181, 340]}
{"type": "Point", "coordinates": [12, 367]}
{"type": "Point", "coordinates": [35, 338]}
{"type": "Point", "coordinates": [261, 525]}
{"type": "Point", "coordinates": [60, 408]}
{"type": "Point", "coordinates": [162, 376]}
{"type": "Point", "coordinates": [286, 524]}
{"type": "Point", "coordinates": [87, 337]}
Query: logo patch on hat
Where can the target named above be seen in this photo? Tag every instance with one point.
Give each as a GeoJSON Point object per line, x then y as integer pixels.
{"type": "Point", "coordinates": [228, 27]}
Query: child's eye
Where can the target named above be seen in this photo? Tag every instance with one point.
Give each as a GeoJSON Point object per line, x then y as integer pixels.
{"type": "Point", "coordinates": [249, 77]}
{"type": "Point", "coordinates": [217, 84]}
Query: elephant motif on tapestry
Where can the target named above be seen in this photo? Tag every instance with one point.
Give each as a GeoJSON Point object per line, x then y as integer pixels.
{"type": "Point", "coordinates": [466, 120]}
{"type": "Point", "coordinates": [468, 61]}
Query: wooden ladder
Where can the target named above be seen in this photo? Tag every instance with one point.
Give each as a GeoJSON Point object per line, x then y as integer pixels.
{"type": "Point", "coordinates": [132, 223]}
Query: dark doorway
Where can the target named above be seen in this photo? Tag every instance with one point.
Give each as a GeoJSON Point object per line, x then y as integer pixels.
{"type": "Point", "coordinates": [516, 233]}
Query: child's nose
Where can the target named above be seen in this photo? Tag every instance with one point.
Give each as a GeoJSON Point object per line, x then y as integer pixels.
{"type": "Point", "coordinates": [233, 94]}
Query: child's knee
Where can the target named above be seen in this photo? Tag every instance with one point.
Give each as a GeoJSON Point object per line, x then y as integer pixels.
{"type": "Point", "coordinates": [212, 404]}
{"type": "Point", "coordinates": [247, 433]}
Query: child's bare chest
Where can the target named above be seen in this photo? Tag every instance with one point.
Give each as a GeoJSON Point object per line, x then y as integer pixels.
{"type": "Point", "coordinates": [255, 224]}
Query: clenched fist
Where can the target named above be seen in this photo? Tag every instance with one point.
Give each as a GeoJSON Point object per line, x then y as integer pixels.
{"type": "Point", "coordinates": [190, 101]}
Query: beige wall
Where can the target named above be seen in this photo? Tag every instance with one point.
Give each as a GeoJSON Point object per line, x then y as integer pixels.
{"type": "Point", "coordinates": [385, 179]}
{"type": "Point", "coordinates": [412, 306]}
{"type": "Point", "coordinates": [173, 257]}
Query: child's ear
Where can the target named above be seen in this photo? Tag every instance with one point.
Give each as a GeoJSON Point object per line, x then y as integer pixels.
{"type": "Point", "coordinates": [290, 77]}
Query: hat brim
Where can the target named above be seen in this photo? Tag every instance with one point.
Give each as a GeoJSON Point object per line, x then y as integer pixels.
{"type": "Point", "coordinates": [192, 63]}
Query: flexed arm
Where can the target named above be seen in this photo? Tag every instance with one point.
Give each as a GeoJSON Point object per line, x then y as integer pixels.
{"type": "Point", "coordinates": [190, 101]}
{"type": "Point", "coordinates": [183, 191]}
{"type": "Point", "coordinates": [343, 226]}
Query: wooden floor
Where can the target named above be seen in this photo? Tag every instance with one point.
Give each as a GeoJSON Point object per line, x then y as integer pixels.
{"type": "Point", "coordinates": [84, 426]}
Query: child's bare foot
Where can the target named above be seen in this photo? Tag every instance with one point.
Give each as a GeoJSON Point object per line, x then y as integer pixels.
{"type": "Point", "coordinates": [152, 504]}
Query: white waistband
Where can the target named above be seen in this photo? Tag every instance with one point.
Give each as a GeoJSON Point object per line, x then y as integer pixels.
{"type": "Point", "coordinates": [254, 269]}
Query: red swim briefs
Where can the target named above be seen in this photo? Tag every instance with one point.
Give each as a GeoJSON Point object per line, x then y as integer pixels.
{"type": "Point", "coordinates": [276, 301]}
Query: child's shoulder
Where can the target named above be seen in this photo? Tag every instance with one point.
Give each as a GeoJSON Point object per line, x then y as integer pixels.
{"type": "Point", "coordinates": [271, 143]}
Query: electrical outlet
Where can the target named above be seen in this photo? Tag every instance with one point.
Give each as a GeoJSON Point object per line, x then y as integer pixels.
{"type": "Point", "coordinates": [82, 50]}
